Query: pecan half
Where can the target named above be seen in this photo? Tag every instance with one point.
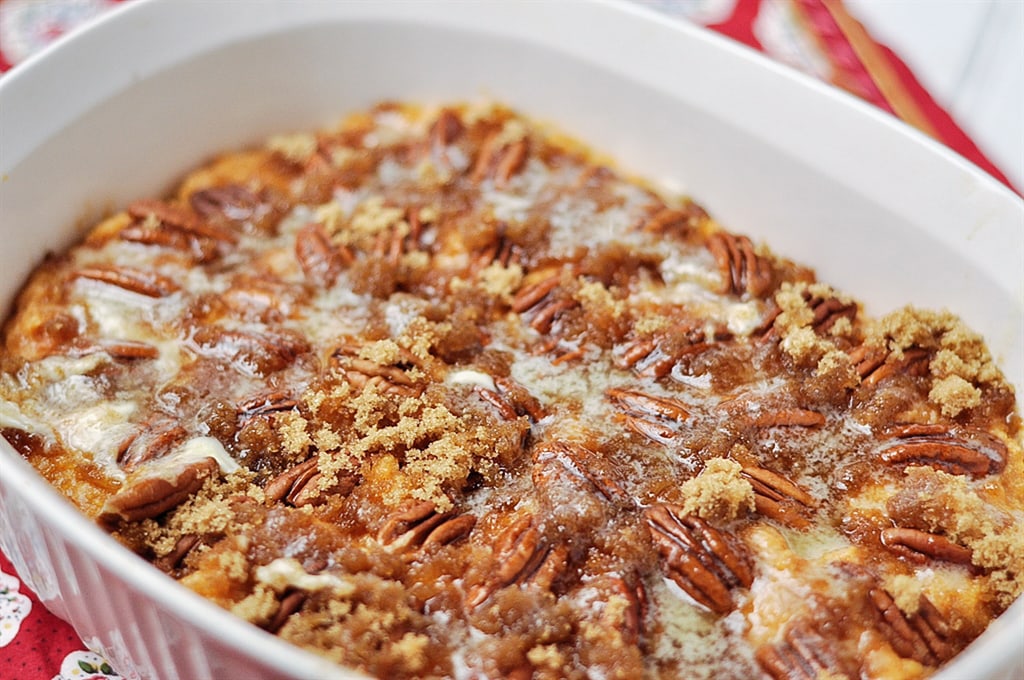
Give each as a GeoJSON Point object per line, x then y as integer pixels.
{"type": "Point", "coordinates": [446, 129]}
{"type": "Point", "coordinates": [201, 249]}
{"type": "Point", "coordinates": [499, 251]}
{"type": "Point", "coordinates": [363, 373]}
{"type": "Point", "coordinates": [654, 417]}
{"type": "Point", "coordinates": [644, 405]}
{"type": "Point", "coordinates": [631, 354]}
{"type": "Point", "coordinates": [500, 160]}
{"type": "Point", "coordinates": [149, 284]}
{"type": "Point", "coordinates": [955, 450]}
{"type": "Point", "coordinates": [290, 603]}
{"type": "Point", "coordinates": [546, 313]}
{"type": "Point", "coordinates": [827, 312]}
{"type": "Point", "coordinates": [512, 400]}
{"type": "Point", "coordinates": [122, 350]}
{"type": "Point", "coordinates": [505, 409]}
{"type": "Point", "coordinates": [582, 464]}
{"type": "Point", "coordinates": [287, 484]}
{"type": "Point", "coordinates": [311, 492]}
{"type": "Point", "coordinates": [655, 430]}
{"type": "Point", "coordinates": [777, 497]}
{"type": "Point", "coordinates": [920, 546]}
{"type": "Point", "coordinates": [401, 238]}
{"type": "Point", "coordinates": [630, 619]}
{"type": "Point", "coordinates": [655, 357]}
{"type": "Point", "coordinates": [254, 353]}
{"type": "Point", "coordinates": [150, 497]}
{"type": "Point", "coordinates": [530, 295]}
{"type": "Point", "coordinates": [545, 302]}
{"type": "Point", "coordinates": [181, 218]}
{"type": "Point", "coordinates": [321, 260]}
{"type": "Point", "coordinates": [742, 269]}
{"type": "Point", "coordinates": [231, 201]}
{"type": "Point", "coordinates": [592, 176]}
{"type": "Point", "coordinates": [678, 222]}
{"type": "Point", "coordinates": [789, 417]}
{"type": "Point", "coordinates": [521, 556]}
{"type": "Point", "coordinates": [922, 636]}
{"type": "Point", "coordinates": [418, 524]}
{"type": "Point", "coordinates": [155, 439]}
{"type": "Point", "coordinates": [266, 403]}
{"type": "Point", "coordinates": [260, 297]}
{"type": "Point", "coordinates": [803, 654]}
{"type": "Point", "coordinates": [874, 365]}
{"type": "Point", "coordinates": [700, 559]}
{"type": "Point", "coordinates": [299, 485]}
{"type": "Point", "coordinates": [182, 547]}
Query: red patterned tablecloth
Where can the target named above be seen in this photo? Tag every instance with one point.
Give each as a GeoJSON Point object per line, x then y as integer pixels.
{"type": "Point", "coordinates": [819, 37]}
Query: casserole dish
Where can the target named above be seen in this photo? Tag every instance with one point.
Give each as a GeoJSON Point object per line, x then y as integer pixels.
{"type": "Point", "coordinates": [906, 220]}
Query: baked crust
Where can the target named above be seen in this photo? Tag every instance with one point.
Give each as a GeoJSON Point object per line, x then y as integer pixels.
{"type": "Point", "coordinates": [437, 394]}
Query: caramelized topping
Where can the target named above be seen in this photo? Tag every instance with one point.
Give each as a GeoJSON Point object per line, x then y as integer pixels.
{"type": "Point", "coordinates": [436, 394]}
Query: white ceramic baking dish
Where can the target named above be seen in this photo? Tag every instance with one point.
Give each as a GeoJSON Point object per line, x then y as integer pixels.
{"type": "Point", "coordinates": [122, 109]}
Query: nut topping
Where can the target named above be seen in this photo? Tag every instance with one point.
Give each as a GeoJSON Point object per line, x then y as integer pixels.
{"type": "Point", "coordinates": [629, 620]}
{"type": "Point", "coordinates": [401, 238]}
{"type": "Point", "coordinates": [266, 403]}
{"type": "Point", "coordinates": [520, 556]}
{"type": "Point", "coordinates": [362, 373]}
{"type": "Point", "coordinates": [528, 296]}
{"type": "Point", "coordinates": [418, 524]}
{"type": "Point", "coordinates": [149, 284]}
{"type": "Point", "coordinates": [155, 439]}
{"type": "Point", "coordinates": [545, 301]}
{"type": "Point", "coordinates": [321, 260]}
{"type": "Point", "coordinates": [743, 270]}
{"type": "Point", "coordinates": [500, 160]}
{"type": "Point", "coordinates": [827, 312]}
{"type": "Point", "coordinates": [874, 365]}
{"type": "Point", "coordinates": [921, 636]}
{"type": "Point", "coordinates": [546, 313]}
{"type": "Point", "coordinates": [701, 560]}
{"type": "Point", "coordinates": [182, 547]}
{"type": "Point", "coordinates": [120, 350]}
{"type": "Point", "coordinates": [201, 249]}
{"type": "Point", "coordinates": [789, 417]}
{"type": "Point", "coordinates": [655, 357]}
{"type": "Point", "coordinates": [290, 603]}
{"type": "Point", "coordinates": [581, 463]}
{"type": "Point", "coordinates": [446, 129]}
{"type": "Point", "coordinates": [249, 352]}
{"type": "Point", "coordinates": [150, 497]}
{"type": "Point", "coordinates": [920, 546]}
{"type": "Point", "coordinates": [287, 485]}
{"type": "Point", "coordinates": [777, 497]}
{"type": "Point", "coordinates": [804, 654]}
{"type": "Point", "coordinates": [500, 251]}
{"type": "Point", "coordinates": [299, 485]}
{"type": "Point", "coordinates": [512, 400]}
{"type": "Point", "coordinates": [953, 450]}
{"type": "Point", "coordinates": [176, 217]}
{"type": "Point", "coordinates": [231, 201]}
{"type": "Point", "coordinates": [678, 222]}
{"type": "Point", "coordinates": [654, 417]}
{"type": "Point", "coordinates": [436, 393]}
{"type": "Point", "coordinates": [643, 405]}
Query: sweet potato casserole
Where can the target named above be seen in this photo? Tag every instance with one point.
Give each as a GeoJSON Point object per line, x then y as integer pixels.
{"type": "Point", "coordinates": [437, 393]}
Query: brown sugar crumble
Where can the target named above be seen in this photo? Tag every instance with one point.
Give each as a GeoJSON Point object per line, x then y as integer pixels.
{"type": "Point", "coordinates": [438, 393]}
